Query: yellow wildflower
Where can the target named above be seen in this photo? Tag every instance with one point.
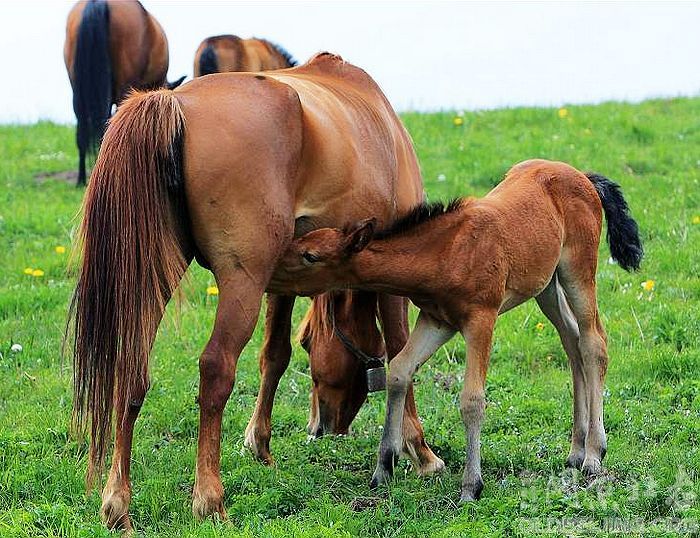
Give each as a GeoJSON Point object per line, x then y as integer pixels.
{"type": "Point", "coordinates": [37, 272]}
{"type": "Point", "coordinates": [696, 219]}
{"type": "Point", "coordinates": [458, 121]}
{"type": "Point", "coordinates": [563, 113]}
{"type": "Point", "coordinates": [60, 249]}
{"type": "Point", "coordinates": [212, 290]}
{"type": "Point", "coordinates": [28, 271]}
{"type": "Point", "coordinates": [648, 285]}
{"type": "Point", "coordinates": [539, 326]}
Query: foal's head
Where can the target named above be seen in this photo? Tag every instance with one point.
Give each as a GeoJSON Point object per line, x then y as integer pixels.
{"type": "Point", "coordinates": [322, 256]}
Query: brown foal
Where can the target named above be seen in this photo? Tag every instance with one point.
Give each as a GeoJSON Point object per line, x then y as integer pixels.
{"type": "Point", "coordinates": [535, 235]}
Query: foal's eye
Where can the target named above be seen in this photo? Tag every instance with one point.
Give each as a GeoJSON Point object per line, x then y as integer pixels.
{"type": "Point", "coordinates": [310, 258]}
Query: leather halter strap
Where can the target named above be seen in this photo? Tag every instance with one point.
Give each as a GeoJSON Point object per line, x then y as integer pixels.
{"type": "Point", "coordinates": [368, 360]}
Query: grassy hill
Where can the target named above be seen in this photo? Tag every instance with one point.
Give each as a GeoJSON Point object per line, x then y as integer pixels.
{"type": "Point", "coordinates": [320, 488]}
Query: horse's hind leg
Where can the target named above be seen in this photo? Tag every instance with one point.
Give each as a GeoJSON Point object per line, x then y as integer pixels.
{"type": "Point", "coordinates": [116, 494]}
{"type": "Point", "coordinates": [236, 315]}
{"type": "Point", "coordinates": [393, 312]}
{"type": "Point", "coordinates": [578, 281]}
{"type": "Point", "coordinates": [274, 359]}
{"type": "Point", "coordinates": [553, 304]}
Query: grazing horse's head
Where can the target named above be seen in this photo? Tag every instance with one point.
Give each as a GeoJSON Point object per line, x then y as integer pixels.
{"type": "Point", "coordinates": [338, 371]}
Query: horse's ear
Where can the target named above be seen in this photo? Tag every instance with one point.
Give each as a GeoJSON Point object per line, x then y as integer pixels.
{"type": "Point", "coordinates": [173, 85]}
{"type": "Point", "coordinates": [360, 235]}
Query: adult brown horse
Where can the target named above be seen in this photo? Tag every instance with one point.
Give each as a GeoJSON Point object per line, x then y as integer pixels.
{"type": "Point", "coordinates": [228, 53]}
{"type": "Point", "coordinates": [111, 46]}
{"type": "Point", "coordinates": [201, 173]}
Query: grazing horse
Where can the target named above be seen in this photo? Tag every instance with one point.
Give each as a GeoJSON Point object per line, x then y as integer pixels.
{"type": "Point", "coordinates": [534, 235]}
{"type": "Point", "coordinates": [226, 53]}
{"type": "Point", "coordinates": [111, 46]}
{"type": "Point", "coordinates": [227, 170]}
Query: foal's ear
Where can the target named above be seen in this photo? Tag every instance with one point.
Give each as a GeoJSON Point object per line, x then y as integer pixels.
{"type": "Point", "coordinates": [360, 235]}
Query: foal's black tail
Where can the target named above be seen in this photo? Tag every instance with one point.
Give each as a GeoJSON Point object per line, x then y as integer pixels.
{"type": "Point", "coordinates": [92, 80]}
{"type": "Point", "coordinates": [623, 234]}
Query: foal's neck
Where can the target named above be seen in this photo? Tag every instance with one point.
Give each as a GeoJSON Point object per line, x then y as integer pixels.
{"type": "Point", "coordinates": [406, 263]}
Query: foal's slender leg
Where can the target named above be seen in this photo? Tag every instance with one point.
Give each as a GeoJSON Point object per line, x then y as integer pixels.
{"type": "Point", "coordinates": [236, 315]}
{"type": "Point", "coordinates": [427, 336]}
{"type": "Point", "coordinates": [274, 359]}
{"type": "Point", "coordinates": [393, 313]}
{"type": "Point", "coordinates": [116, 494]}
{"type": "Point", "coordinates": [478, 334]}
{"type": "Point", "coordinates": [553, 304]}
{"type": "Point", "coordinates": [581, 294]}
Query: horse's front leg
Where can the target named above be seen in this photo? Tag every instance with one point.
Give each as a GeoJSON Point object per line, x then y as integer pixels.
{"type": "Point", "coordinates": [274, 360]}
{"type": "Point", "coordinates": [478, 334]}
{"type": "Point", "coordinates": [236, 315]}
{"type": "Point", "coordinates": [427, 336]}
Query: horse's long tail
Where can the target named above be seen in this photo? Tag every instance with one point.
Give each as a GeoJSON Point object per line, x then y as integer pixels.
{"type": "Point", "coordinates": [92, 80]}
{"type": "Point", "coordinates": [132, 260]}
{"type": "Point", "coordinates": [623, 233]}
{"type": "Point", "coordinates": [208, 62]}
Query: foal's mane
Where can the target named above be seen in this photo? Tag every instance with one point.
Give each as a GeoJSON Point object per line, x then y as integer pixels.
{"type": "Point", "coordinates": [421, 213]}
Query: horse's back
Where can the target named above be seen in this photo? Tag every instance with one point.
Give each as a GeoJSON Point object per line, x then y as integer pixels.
{"type": "Point", "coordinates": [358, 159]}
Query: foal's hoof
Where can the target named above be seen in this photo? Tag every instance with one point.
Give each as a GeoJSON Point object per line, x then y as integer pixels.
{"type": "Point", "coordinates": [592, 467]}
{"type": "Point", "coordinates": [115, 510]}
{"type": "Point", "coordinates": [575, 461]}
{"type": "Point", "coordinates": [471, 492]}
{"type": "Point", "coordinates": [380, 476]}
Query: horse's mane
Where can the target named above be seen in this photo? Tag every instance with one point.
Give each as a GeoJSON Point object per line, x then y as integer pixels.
{"type": "Point", "coordinates": [421, 213]}
{"type": "Point", "coordinates": [291, 62]}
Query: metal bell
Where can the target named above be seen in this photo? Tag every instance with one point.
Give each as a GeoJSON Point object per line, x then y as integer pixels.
{"type": "Point", "coordinates": [376, 379]}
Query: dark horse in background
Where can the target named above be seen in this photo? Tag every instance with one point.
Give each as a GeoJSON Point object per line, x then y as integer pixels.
{"type": "Point", "coordinates": [111, 46]}
{"type": "Point", "coordinates": [228, 53]}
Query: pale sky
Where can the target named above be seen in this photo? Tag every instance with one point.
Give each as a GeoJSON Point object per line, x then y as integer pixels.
{"type": "Point", "coordinates": [425, 55]}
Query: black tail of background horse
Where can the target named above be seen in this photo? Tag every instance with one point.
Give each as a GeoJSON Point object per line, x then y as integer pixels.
{"type": "Point", "coordinates": [208, 63]}
{"type": "Point", "coordinates": [92, 84]}
{"type": "Point", "coordinates": [623, 233]}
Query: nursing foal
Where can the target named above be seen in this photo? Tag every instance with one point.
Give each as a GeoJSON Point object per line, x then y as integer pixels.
{"type": "Point", "coordinates": [535, 235]}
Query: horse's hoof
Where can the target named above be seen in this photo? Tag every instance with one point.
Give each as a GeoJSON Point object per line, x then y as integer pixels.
{"type": "Point", "coordinates": [471, 492]}
{"type": "Point", "coordinates": [208, 504]}
{"type": "Point", "coordinates": [592, 467]}
{"type": "Point", "coordinates": [115, 509]}
{"type": "Point", "coordinates": [433, 466]}
{"type": "Point", "coordinates": [259, 448]}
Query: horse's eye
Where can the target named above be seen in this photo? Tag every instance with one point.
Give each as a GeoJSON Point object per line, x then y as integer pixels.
{"type": "Point", "coordinates": [310, 258]}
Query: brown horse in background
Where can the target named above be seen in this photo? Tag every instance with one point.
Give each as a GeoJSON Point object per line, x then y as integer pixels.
{"type": "Point", "coordinates": [228, 53]}
{"type": "Point", "coordinates": [227, 170]}
{"type": "Point", "coordinates": [111, 46]}
{"type": "Point", "coordinates": [535, 235]}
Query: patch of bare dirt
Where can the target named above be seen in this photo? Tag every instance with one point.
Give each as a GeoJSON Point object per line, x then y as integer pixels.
{"type": "Point", "coordinates": [67, 176]}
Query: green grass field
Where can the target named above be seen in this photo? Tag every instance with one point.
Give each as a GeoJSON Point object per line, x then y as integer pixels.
{"type": "Point", "coordinates": [319, 488]}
